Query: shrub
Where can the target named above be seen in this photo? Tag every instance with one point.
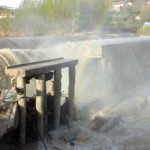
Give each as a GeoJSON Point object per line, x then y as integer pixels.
{"type": "Point", "coordinates": [145, 30]}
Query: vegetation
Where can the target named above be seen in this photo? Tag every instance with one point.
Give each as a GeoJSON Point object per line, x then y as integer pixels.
{"type": "Point", "coordinates": [40, 17]}
{"type": "Point", "coordinates": [145, 30]}
{"type": "Point", "coordinates": [145, 13]}
{"type": "Point", "coordinates": [91, 14]}
{"type": "Point", "coordinates": [61, 16]}
{"type": "Point", "coordinates": [130, 18]}
{"type": "Point", "coordinates": [5, 20]}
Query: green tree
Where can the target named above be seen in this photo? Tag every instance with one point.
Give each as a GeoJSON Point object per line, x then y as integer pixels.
{"type": "Point", "coordinates": [93, 12]}
{"type": "Point", "coordinates": [40, 17]}
{"type": "Point", "coordinates": [145, 13]}
{"type": "Point", "coordinates": [5, 22]}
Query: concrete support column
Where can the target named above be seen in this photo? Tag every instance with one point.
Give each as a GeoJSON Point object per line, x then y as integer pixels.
{"type": "Point", "coordinates": [57, 97]}
{"type": "Point", "coordinates": [40, 102]}
{"type": "Point", "coordinates": [51, 88]}
{"type": "Point", "coordinates": [21, 97]}
{"type": "Point", "coordinates": [71, 91]}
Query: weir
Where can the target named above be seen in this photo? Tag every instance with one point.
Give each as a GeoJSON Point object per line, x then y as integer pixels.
{"type": "Point", "coordinates": [119, 71]}
{"type": "Point", "coordinates": [42, 71]}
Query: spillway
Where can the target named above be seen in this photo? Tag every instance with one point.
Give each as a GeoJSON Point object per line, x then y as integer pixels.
{"type": "Point", "coordinates": [16, 56]}
{"type": "Point", "coordinates": [113, 64]}
{"type": "Point", "coordinates": [113, 77]}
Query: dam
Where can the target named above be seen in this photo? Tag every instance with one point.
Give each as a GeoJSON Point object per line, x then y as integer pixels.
{"type": "Point", "coordinates": [110, 72]}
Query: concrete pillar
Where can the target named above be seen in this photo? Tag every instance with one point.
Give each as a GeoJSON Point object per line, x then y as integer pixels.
{"type": "Point", "coordinates": [57, 97]}
{"type": "Point", "coordinates": [45, 111]}
{"type": "Point", "coordinates": [21, 97]}
{"type": "Point", "coordinates": [51, 88]}
{"type": "Point", "coordinates": [40, 102]}
{"type": "Point", "coordinates": [71, 91]}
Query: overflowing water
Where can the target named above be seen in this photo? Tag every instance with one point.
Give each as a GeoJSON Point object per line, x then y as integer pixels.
{"type": "Point", "coordinates": [112, 81]}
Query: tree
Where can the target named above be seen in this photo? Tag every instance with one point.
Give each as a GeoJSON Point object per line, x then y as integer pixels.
{"type": "Point", "coordinates": [39, 17]}
{"type": "Point", "coordinates": [145, 13]}
{"type": "Point", "coordinates": [42, 16]}
{"type": "Point", "coordinates": [137, 6]}
{"type": "Point", "coordinates": [93, 12]}
{"type": "Point", "coordinates": [5, 21]}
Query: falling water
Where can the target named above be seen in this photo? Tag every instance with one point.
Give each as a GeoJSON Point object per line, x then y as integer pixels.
{"type": "Point", "coordinates": [116, 82]}
{"type": "Point", "coordinates": [16, 56]}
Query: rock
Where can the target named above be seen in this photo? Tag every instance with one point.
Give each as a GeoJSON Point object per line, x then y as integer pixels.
{"type": "Point", "coordinates": [70, 135]}
{"type": "Point", "coordinates": [84, 136]}
{"type": "Point", "coordinates": [111, 123]}
{"type": "Point", "coordinates": [103, 124]}
{"type": "Point", "coordinates": [9, 121]}
{"type": "Point", "coordinates": [98, 122]}
{"type": "Point", "coordinates": [136, 140]}
{"type": "Point", "coordinates": [126, 108]}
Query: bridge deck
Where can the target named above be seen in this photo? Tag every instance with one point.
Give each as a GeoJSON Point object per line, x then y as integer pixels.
{"type": "Point", "coordinates": [32, 69]}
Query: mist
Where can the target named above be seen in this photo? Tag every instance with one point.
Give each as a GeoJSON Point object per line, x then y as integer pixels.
{"type": "Point", "coordinates": [112, 76]}
{"type": "Point", "coordinates": [112, 81]}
